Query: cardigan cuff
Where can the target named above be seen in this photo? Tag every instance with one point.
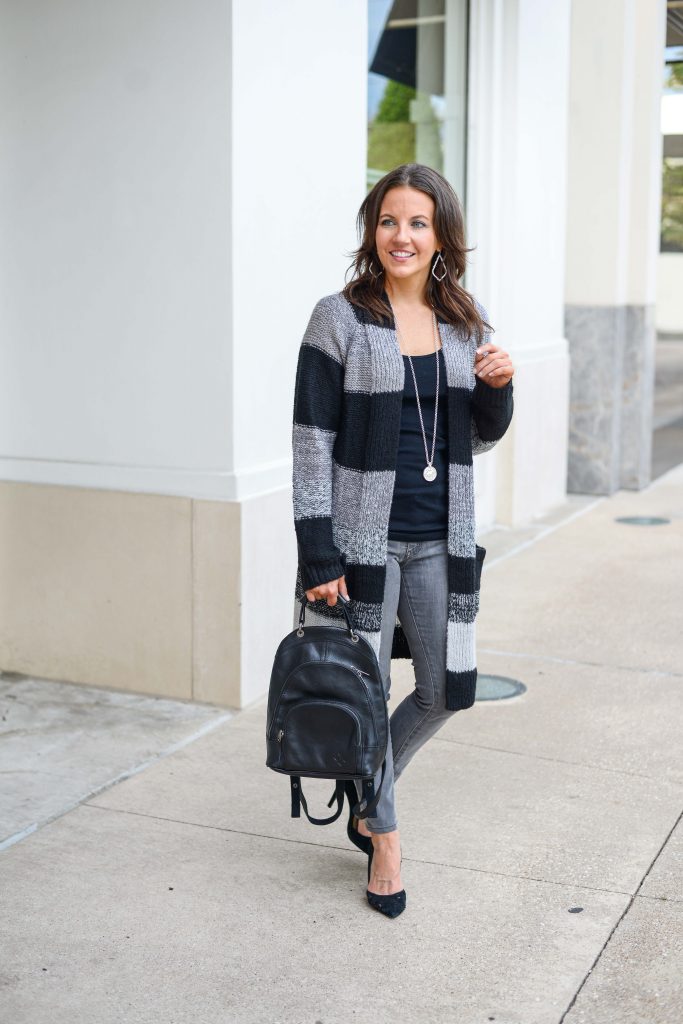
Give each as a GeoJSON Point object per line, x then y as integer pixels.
{"type": "Point", "coordinates": [486, 397]}
{"type": "Point", "coordinates": [315, 573]}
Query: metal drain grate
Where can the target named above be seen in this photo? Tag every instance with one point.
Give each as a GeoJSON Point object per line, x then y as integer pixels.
{"type": "Point", "coordinates": [642, 520]}
{"type": "Point", "coordinates": [498, 687]}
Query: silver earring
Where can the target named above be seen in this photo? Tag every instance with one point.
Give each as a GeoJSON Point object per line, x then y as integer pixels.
{"type": "Point", "coordinates": [371, 272]}
{"type": "Point", "coordinates": [435, 265]}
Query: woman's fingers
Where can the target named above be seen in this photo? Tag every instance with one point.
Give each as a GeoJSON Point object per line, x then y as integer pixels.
{"type": "Point", "coordinates": [489, 357]}
{"type": "Point", "coordinates": [488, 349]}
{"type": "Point", "coordinates": [499, 377]}
{"type": "Point", "coordinates": [494, 364]}
{"type": "Point", "coordinates": [328, 591]}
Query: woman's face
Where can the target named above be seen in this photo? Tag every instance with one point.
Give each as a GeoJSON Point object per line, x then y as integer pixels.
{"type": "Point", "coordinates": [405, 238]}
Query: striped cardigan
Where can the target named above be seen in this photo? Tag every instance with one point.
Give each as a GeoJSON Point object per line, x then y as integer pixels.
{"type": "Point", "coordinates": [346, 424]}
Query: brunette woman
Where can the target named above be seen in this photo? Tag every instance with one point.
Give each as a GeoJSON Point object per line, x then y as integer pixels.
{"type": "Point", "coordinates": [398, 386]}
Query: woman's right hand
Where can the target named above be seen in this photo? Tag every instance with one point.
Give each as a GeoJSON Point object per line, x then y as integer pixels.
{"type": "Point", "coordinates": [328, 591]}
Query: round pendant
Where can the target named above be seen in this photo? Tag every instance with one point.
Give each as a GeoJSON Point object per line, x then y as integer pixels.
{"type": "Point", "coordinates": [429, 473]}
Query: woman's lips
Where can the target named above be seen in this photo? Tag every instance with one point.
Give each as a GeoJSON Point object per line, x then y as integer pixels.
{"type": "Point", "coordinates": [400, 256]}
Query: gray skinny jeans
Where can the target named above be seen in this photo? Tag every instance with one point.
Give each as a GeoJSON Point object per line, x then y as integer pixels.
{"type": "Point", "coordinates": [417, 586]}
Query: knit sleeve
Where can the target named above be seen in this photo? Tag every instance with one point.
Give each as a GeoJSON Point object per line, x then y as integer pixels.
{"type": "Point", "coordinates": [491, 408]}
{"type": "Point", "coordinates": [318, 394]}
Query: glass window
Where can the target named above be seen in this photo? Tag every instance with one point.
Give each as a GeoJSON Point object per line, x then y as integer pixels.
{"type": "Point", "coordinates": [671, 239]}
{"type": "Point", "coordinates": [417, 87]}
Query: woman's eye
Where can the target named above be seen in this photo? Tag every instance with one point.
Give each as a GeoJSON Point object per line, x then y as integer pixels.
{"type": "Point", "coordinates": [416, 223]}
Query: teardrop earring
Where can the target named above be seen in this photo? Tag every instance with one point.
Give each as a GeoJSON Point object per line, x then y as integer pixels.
{"type": "Point", "coordinates": [372, 273]}
{"type": "Point", "coordinates": [435, 265]}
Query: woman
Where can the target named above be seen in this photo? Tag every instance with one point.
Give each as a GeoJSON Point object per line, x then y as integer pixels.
{"type": "Point", "coordinates": [397, 386]}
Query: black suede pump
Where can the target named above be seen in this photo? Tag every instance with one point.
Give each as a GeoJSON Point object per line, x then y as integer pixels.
{"type": "Point", "coordinates": [392, 904]}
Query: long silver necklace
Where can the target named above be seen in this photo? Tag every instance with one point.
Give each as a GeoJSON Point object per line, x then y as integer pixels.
{"type": "Point", "coordinates": [429, 472]}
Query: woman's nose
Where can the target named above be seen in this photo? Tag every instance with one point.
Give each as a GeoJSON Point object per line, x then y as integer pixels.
{"type": "Point", "coordinates": [402, 234]}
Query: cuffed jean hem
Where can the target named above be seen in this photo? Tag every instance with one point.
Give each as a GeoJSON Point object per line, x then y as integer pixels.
{"type": "Point", "coordinates": [382, 829]}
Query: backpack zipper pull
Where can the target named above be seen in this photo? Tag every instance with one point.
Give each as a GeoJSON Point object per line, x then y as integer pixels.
{"type": "Point", "coordinates": [280, 735]}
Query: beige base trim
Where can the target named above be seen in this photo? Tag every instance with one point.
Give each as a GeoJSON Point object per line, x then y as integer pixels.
{"type": "Point", "coordinates": [135, 592]}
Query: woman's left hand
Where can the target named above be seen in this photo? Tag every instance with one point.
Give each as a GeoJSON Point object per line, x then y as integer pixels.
{"type": "Point", "coordinates": [493, 365]}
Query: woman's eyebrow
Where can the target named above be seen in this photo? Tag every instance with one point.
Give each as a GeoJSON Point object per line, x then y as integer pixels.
{"type": "Point", "coordinates": [422, 216]}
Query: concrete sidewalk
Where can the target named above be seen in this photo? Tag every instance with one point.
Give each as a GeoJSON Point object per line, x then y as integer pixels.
{"type": "Point", "coordinates": [542, 837]}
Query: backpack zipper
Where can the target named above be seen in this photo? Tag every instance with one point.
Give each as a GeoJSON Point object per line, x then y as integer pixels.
{"type": "Point", "coordinates": [359, 671]}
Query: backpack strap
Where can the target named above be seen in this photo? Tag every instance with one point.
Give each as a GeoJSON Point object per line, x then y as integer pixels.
{"type": "Point", "coordinates": [295, 784]}
{"type": "Point", "coordinates": [369, 795]}
{"type": "Point", "coordinates": [371, 798]}
{"type": "Point", "coordinates": [298, 799]}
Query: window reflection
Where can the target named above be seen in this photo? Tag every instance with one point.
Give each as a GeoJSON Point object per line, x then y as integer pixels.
{"type": "Point", "coordinates": [671, 239]}
{"type": "Point", "coordinates": [417, 86]}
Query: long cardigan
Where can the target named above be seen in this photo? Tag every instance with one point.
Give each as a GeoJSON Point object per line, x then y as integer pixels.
{"type": "Point", "coordinates": [345, 435]}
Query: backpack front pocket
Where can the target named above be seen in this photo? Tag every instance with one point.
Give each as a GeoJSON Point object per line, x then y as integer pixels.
{"type": "Point", "coordinates": [321, 737]}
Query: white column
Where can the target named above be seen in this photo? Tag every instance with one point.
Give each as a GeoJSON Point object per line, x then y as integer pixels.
{"type": "Point", "coordinates": [516, 218]}
{"type": "Point", "coordinates": [613, 200]}
{"type": "Point", "coordinates": [298, 157]}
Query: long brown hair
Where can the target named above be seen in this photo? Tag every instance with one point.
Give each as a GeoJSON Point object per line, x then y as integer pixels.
{"type": "Point", "coordinates": [451, 301]}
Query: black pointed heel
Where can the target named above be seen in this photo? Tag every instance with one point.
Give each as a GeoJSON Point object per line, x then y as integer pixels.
{"type": "Point", "coordinates": [364, 843]}
{"type": "Point", "coordinates": [391, 904]}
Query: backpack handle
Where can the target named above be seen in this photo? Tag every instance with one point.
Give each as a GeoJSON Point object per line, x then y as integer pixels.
{"type": "Point", "coordinates": [345, 601]}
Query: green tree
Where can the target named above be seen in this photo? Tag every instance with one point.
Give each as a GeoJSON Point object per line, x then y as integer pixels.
{"type": "Point", "coordinates": [395, 104]}
{"type": "Point", "coordinates": [391, 139]}
{"type": "Point", "coordinates": [672, 206]}
{"type": "Point", "coordinates": [675, 79]}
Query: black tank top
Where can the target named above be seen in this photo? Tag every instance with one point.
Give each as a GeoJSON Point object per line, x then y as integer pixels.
{"type": "Point", "coordinates": [419, 508]}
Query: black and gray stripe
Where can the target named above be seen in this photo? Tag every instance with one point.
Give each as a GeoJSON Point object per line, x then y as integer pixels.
{"type": "Point", "coordinates": [346, 424]}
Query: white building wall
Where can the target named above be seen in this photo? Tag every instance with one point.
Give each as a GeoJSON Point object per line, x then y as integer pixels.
{"type": "Point", "coordinates": [670, 292]}
{"type": "Point", "coordinates": [116, 289]}
{"type": "Point", "coordinates": [299, 158]}
{"type": "Point", "coordinates": [179, 185]}
{"type": "Point", "coordinates": [516, 218]}
{"type": "Point", "coordinates": [299, 146]}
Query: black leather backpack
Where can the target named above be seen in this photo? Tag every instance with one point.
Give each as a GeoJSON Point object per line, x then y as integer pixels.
{"type": "Point", "coordinates": [327, 713]}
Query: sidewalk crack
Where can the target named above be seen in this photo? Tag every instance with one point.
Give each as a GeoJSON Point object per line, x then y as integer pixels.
{"type": "Point", "coordinates": [620, 919]}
